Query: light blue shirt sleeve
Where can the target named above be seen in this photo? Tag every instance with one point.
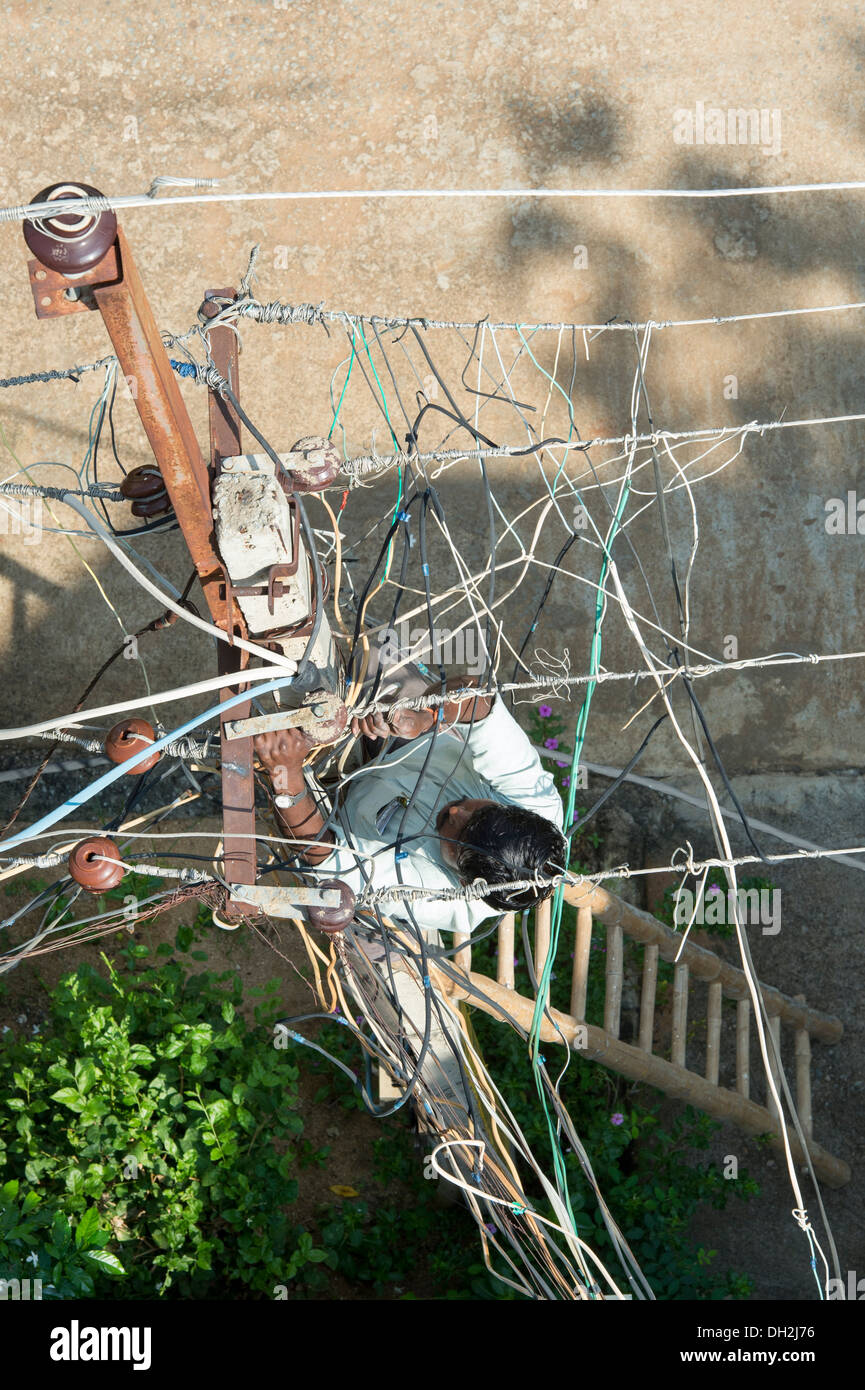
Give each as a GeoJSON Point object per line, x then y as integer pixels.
{"type": "Point", "coordinates": [503, 756]}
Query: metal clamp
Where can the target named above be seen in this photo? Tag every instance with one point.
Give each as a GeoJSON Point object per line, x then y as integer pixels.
{"type": "Point", "coordinates": [321, 707]}
{"type": "Point", "coordinates": [284, 902]}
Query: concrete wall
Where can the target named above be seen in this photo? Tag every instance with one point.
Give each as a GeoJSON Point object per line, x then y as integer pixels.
{"type": "Point", "coordinates": [355, 95]}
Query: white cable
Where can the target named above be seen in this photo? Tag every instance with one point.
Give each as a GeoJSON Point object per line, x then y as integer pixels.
{"type": "Point", "coordinates": [181, 692]}
{"type": "Point", "coordinates": [362, 465]}
{"type": "Point", "coordinates": [30, 211]}
{"type": "Point", "coordinates": [285, 666]}
{"type": "Point", "coordinates": [284, 314]}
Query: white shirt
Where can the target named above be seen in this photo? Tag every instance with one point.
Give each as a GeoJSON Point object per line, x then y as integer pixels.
{"type": "Point", "coordinates": [495, 761]}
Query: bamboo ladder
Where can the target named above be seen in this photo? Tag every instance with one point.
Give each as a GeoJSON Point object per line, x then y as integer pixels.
{"type": "Point", "coordinates": [640, 1063]}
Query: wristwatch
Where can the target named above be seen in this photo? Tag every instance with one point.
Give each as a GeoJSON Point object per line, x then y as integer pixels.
{"type": "Point", "coordinates": [284, 801]}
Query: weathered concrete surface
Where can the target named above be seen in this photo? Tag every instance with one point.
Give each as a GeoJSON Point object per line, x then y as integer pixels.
{"type": "Point", "coordinates": [433, 95]}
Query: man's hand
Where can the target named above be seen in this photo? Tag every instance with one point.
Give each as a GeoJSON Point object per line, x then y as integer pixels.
{"type": "Point", "coordinates": [402, 723]}
{"type": "Point", "coordinates": [284, 749]}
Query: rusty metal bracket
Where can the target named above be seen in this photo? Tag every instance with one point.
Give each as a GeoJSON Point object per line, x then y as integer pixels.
{"type": "Point", "coordinates": [113, 286]}
{"type": "Point", "coordinates": [284, 902]}
{"type": "Point", "coordinates": [238, 779]}
{"type": "Point", "coordinates": [55, 296]}
{"type": "Point", "coordinates": [321, 707]}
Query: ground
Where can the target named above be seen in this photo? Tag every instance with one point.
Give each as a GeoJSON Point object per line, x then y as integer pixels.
{"type": "Point", "coordinates": [296, 95]}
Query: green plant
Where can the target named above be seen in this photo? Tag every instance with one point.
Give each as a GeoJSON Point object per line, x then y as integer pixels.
{"type": "Point", "coordinates": [37, 1242]}
{"type": "Point", "coordinates": [149, 1100]}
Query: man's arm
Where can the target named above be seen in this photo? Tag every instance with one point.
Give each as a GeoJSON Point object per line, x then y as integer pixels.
{"type": "Point", "coordinates": [410, 724]}
{"type": "Point", "coordinates": [282, 754]}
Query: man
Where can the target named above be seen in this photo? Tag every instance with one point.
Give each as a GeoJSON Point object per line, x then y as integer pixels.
{"type": "Point", "coordinates": [461, 795]}
{"type": "Point", "coordinates": [465, 800]}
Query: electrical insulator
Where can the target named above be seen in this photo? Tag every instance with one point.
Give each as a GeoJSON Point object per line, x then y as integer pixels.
{"type": "Point", "coordinates": [333, 919]}
{"type": "Point", "coordinates": [313, 464]}
{"type": "Point", "coordinates": [129, 737]}
{"type": "Point", "coordinates": [88, 866]}
{"type": "Point", "coordinates": [70, 242]}
{"type": "Point", "coordinates": [145, 488]}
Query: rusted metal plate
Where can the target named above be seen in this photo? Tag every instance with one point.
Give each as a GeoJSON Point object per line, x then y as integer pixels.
{"type": "Point", "coordinates": [238, 780]}
{"type": "Point", "coordinates": [323, 708]}
{"type": "Point", "coordinates": [142, 356]}
{"type": "Point", "coordinates": [52, 290]}
{"type": "Point", "coordinates": [284, 902]}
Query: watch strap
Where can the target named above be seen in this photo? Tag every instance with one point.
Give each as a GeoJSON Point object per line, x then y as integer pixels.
{"type": "Point", "coordinates": [285, 800]}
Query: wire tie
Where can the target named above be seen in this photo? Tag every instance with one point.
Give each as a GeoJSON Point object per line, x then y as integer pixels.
{"type": "Point", "coordinates": [426, 982]}
{"type": "Point", "coordinates": [424, 569]}
{"type": "Point", "coordinates": [517, 1209]}
{"type": "Point", "coordinates": [403, 854]}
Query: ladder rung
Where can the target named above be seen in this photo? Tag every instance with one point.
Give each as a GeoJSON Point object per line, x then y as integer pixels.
{"type": "Point", "coordinates": [775, 1030]}
{"type": "Point", "coordinates": [647, 997]}
{"type": "Point", "coordinates": [743, 1047]}
{"type": "Point", "coordinates": [505, 962]}
{"type": "Point", "coordinates": [580, 972]}
{"type": "Point", "coordinates": [613, 999]}
{"type": "Point", "coordinates": [680, 1014]}
{"type": "Point", "coordinates": [803, 1076]}
{"type": "Point", "coordinates": [543, 913]}
{"type": "Point", "coordinates": [713, 1032]}
{"type": "Point", "coordinates": [463, 957]}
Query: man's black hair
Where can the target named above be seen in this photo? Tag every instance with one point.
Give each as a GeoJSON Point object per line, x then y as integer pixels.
{"type": "Point", "coordinates": [501, 844]}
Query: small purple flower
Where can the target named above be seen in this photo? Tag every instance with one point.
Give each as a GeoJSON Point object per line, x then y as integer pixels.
{"type": "Point", "coordinates": [714, 888]}
{"type": "Point", "coordinates": [617, 1119]}
{"type": "Point", "coordinates": [558, 764]}
{"type": "Point", "coordinates": [544, 711]}
{"type": "Point", "coordinates": [566, 781]}
{"type": "Point", "coordinates": [493, 1230]}
{"type": "Point", "coordinates": [551, 743]}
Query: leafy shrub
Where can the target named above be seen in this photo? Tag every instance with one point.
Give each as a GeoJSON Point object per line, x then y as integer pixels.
{"type": "Point", "coordinates": [37, 1243]}
{"type": "Point", "coordinates": [151, 1112]}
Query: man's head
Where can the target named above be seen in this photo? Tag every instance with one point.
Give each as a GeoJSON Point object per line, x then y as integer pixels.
{"type": "Point", "coordinates": [501, 844]}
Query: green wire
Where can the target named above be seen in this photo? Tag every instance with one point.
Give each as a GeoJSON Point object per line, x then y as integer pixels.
{"type": "Point", "coordinates": [395, 444]}
{"type": "Point", "coordinates": [342, 393]}
{"type": "Point", "coordinates": [579, 740]}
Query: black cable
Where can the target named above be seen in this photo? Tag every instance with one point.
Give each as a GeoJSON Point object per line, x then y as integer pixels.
{"type": "Point", "coordinates": [579, 823]}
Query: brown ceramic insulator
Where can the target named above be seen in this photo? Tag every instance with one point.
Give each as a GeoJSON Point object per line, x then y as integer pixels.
{"type": "Point", "coordinates": [129, 737]}
{"type": "Point", "coordinates": [88, 867]}
{"type": "Point", "coordinates": [70, 242]}
{"type": "Point", "coordinates": [151, 506]}
{"type": "Point", "coordinates": [145, 488]}
{"type": "Point", "coordinates": [320, 467]}
{"type": "Point", "coordinates": [333, 919]}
